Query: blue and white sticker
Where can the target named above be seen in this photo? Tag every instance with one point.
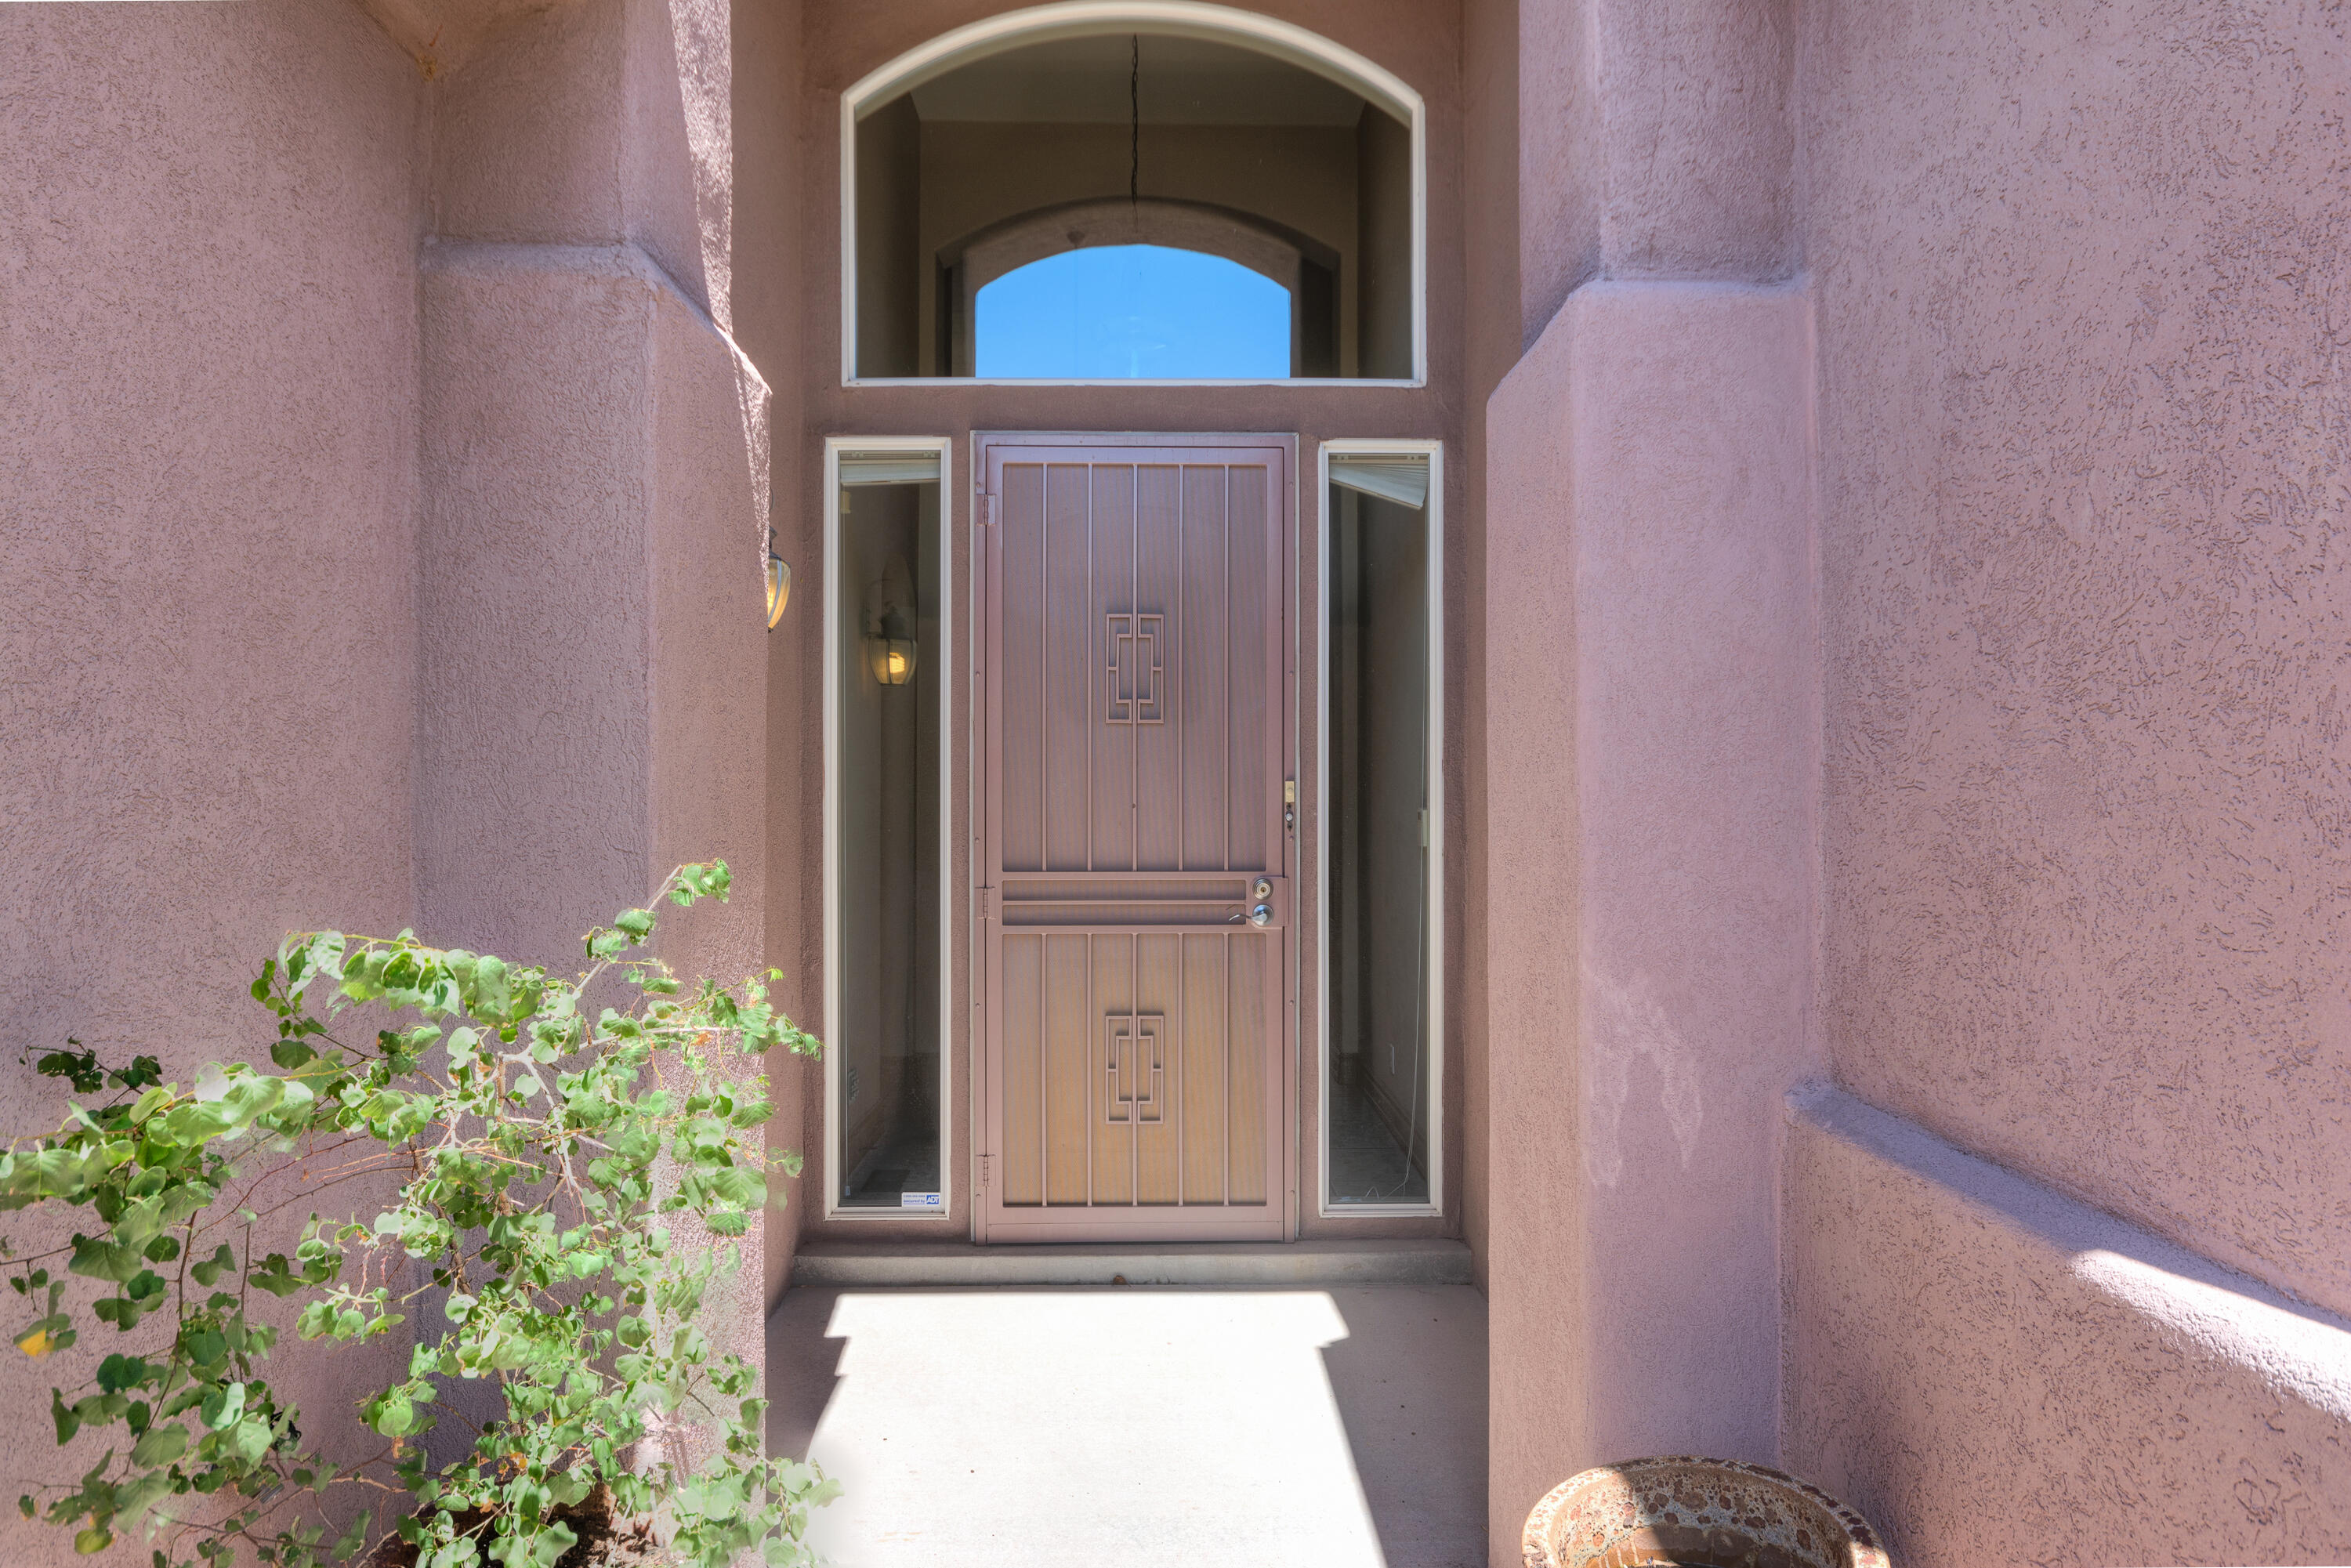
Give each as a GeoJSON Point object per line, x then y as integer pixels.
{"type": "Point", "coordinates": [919, 1201]}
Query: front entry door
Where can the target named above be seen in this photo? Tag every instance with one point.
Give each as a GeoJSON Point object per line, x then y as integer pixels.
{"type": "Point", "coordinates": [1134, 905]}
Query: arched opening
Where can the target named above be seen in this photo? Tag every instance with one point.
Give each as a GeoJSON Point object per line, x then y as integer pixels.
{"type": "Point", "coordinates": [1175, 127]}
{"type": "Point", "coordinates": [1137, 311]}
{"type": "Point", "coordinates": [1191, 273]}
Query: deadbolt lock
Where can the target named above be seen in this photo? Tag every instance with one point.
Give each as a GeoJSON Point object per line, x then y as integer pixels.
{"type": "Point", "coordinates": [1264, 888]}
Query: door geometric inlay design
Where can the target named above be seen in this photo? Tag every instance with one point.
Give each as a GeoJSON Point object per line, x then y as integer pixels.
{"type": "Point", "coordinates": [1133, 643]}
{"type": "Point", "coordinates": [1131, 1054]}
{"type": "Point", "coordinates": [1134, 710]}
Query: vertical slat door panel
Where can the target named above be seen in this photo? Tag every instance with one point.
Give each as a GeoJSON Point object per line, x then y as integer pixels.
{"type": "Point", "coordinates": [1204, 689]}
{"type": "Point", "coordinates": [1158, 739]}
{"type": "Point", "coordinates": [1119, 670]}
{"type": "Point", "coordinates": [1065, 676]}
{"type": "Point", "coordinates": [1134, 1028]}
{"type": "Point", "coordinates": [1248, 706]}
{"type": "Point", "coordinates": [1246, 1069]}
{"type": "Point", "coordinates": [1207, 1013]}
{"type": "Point", "coordinates": [1020, 668]}
{"type": "Point", "coordinates": [1154, 1073]}
{"type": "Point", "coordinates": [1068, 1060]}
{"type": "Point", "coordinates": [1023, 1066]}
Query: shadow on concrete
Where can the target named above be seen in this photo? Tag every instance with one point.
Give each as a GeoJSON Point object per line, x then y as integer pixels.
{"type": "Point", "coordinates": [803, 1369]}
{"type": "Point", "coordinates": [1410, 1383]}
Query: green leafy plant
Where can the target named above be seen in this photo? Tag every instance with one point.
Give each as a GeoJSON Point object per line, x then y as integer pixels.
{"type": "Point", "coordinates": [540, 1144]}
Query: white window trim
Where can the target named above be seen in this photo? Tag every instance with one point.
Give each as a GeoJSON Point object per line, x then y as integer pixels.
{"type": "Point", "coordinates": [948, 903]}
{"type": "Point", "coordinates": [1435, 514]}
{"type": "Point", "coordinates": [1194, 18]}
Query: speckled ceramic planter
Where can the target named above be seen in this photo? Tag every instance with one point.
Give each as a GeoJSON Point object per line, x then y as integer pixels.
{"type": "Point", "coordinates": [1696, 1513]}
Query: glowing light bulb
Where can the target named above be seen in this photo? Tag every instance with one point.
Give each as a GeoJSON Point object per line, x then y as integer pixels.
{"type": "Point", "coordinates": [779, 589]}
{"type": "Point", "coordinates": [892, 659]}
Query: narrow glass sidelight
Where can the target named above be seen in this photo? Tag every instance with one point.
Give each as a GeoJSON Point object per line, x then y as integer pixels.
{"type": "Point", "coordinates": [1381, 1079]}
{"type": "Point", "coordinates": [885, 1035]}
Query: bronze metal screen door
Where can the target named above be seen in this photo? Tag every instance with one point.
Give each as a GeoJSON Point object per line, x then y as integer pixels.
{"type": "Point", "coordinates": [1134, 912]}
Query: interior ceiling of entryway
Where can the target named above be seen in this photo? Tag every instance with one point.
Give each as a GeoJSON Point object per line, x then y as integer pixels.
{"type": "Point", "coordinates": [1185, 81]}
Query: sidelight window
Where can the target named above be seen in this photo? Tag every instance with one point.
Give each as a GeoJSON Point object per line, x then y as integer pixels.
{"type": "Point", "coordinates": [885, 678]}
{"type": "Point", "coordinates": [1383, 817]}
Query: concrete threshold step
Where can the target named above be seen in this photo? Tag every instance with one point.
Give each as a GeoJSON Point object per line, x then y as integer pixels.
{"type": "Point", "coordinates": [1261, 1264]}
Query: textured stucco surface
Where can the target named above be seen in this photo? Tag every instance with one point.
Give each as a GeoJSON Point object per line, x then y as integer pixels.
{"type": "Point", "coordinates": [2081, 273]}
{"type": "Point", "coordinates": [767, 309]}
{"type": "Point", "coordinates": [334, 592]}
{"type": "Point", "coordinates": [1537, 1319]}
{"type": "Point", "coordinates": [208, 219]}
{"type": "Point", "coordinates": [1655, 139]}
{"type": "Point", "coordinates": [597, 691]}
{"type": "Point", "coordinates": [708, 698]}
{"type": "Point", "coordinates": [1695, 136]}
{"type": "Point", "coordinates": [532, 800]}
{"type": "Point", "coordinates": [443, 34]}
{"type": "Point", "coordinates": [340, 589]}
{"type": "Point", "coordinates": [595, 121]}
{"type": "Point", "coordinates": [526, 137]}
{"type": "Point", "coordinates": [1994, 1372]}
{"type": "Point", "coordinates": [1649, 960]}
{"type": "Point", "coordinates": [1490, 344]}
{"type": "Point", "coordinates": [593, 709]}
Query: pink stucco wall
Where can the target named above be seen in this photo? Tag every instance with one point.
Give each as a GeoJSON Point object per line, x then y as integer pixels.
{"type": "Point", "coordinates": [532, 809]}
{"type": "Point", "coordinates": [2083, 420]}
{"type": "Point", "coordinates": [341, 587]}
{"type": "Point", "coordinates": [766, 294]}
{"type": "Point", "coordinates": [1653, 139]}
{"type": "Point", "coordinates": [1647, 725]}
{"type": "Point", "coordinates": [1648, 894]}
{"type": "Point", "coordinates": [2075, 405]}
{"type": "Point", "coordinates": [383, 524]}
{"type": "Point", "coordinates": [208, 328]}
{"type": "Point", "coordinates": [595, 463]}
{"type": "Point", "coordinates": [1994, 1372]}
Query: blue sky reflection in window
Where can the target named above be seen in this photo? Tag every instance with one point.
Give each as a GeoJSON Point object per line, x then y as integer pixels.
{"type": "Point", "coordinates": [1142, 312]}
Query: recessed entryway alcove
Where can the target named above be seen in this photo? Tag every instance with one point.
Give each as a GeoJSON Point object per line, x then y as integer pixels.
{"type": "Point", "coordinates": [1188, 634]}
{"type": "Point", "coordinates": [1150, 591]}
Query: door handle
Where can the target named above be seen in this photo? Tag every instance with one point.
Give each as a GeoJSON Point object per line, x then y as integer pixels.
{"type": "Point", "coordinates": [1262, 915]}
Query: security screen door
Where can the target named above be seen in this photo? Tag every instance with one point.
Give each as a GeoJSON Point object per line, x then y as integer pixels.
{"type": "Point", "coordinates": [1135, 907]}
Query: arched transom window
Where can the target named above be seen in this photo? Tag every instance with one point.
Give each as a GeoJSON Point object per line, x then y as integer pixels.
{"type": "Point", "coordinates": [1152, 192]}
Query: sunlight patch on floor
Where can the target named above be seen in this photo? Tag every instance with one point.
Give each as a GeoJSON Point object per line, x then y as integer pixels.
{"type": "Point", "coordinates": [1117, 1426]}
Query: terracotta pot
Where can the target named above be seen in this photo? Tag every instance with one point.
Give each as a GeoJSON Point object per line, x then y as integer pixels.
{"type": "Point", "coordinates": [1696, 1513]}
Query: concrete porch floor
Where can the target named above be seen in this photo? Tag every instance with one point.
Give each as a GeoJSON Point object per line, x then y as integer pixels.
{"type": "Point", "coordinates": [1343, 1425]}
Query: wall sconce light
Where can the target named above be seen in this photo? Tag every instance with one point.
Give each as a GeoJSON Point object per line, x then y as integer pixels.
{"type": "Point", "coordinates": [779, 584]}
{"type": "Point", "coordinates": [890, 653]}
{"type": "Point", "coordinates": [890, 621]}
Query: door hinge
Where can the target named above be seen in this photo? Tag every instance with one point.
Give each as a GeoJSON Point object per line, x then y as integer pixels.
{"type": "Point", "coordinates": [986, 903]}
{"type": "Point", "coordinates": [985, 1175]}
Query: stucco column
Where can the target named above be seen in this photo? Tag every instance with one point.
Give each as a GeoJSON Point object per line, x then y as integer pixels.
{"type": "Point", "coordinates": [1651, 753]}
{"type": "Point", "coordinates": [595, 472]}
